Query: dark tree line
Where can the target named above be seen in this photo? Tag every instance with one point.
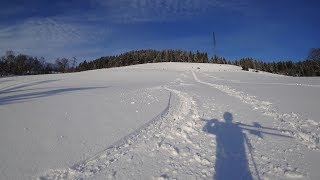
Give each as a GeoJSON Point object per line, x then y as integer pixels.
{"type": "Point", "coordinates": [309, 67]}
{"type": "Point", "coordinates": [144, 56]}
{"type": "Point", "coordinates": [289, 68]}
{"type": "Point", "coordinates": [11, 64]}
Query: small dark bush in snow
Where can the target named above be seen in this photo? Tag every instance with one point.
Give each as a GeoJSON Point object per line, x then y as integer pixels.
{"type": "Point", "coordinates": [245, 68]}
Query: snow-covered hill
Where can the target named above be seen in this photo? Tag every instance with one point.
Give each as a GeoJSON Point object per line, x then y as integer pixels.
{"type": "Point", "coordinates": [160, 121]}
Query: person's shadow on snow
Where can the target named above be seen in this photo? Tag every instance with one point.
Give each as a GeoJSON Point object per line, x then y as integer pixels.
{"type": "Point", "coordinates": [231, 160]}
{"type": "Point", "coordinates": [231, 157]}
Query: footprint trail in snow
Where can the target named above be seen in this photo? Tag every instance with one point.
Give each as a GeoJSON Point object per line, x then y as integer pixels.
{"type": "Point", "coordinates": [173, 145]}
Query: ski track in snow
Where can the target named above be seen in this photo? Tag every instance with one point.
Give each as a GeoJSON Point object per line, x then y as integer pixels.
{"type": "Point", "coordinates": [176, 134]}
{"type": "Point", "coordinates": [169, 118]}
{"type": "Point", "coordinates": [306, 131]}
{"type": "Point", "coordinates": [284, 84]}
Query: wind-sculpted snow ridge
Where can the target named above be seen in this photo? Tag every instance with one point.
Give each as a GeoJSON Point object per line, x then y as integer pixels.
{"type": "Point", "coordinates": [307, 132]}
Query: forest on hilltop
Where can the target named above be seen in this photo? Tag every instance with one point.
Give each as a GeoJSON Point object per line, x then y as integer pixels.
{"type": "Point", "coordinates": [11, 64]}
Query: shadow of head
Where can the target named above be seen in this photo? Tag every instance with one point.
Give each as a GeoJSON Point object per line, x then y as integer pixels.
{"type": "Point", "coordinates": [227, 116]}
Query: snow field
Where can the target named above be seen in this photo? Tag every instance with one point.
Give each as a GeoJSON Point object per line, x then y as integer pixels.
{"type": "Point", "coordinates": [157, 121]}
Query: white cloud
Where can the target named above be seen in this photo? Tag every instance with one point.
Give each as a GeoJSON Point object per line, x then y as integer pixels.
{"type": "Point", "coordinates": [86, 34]}
{"type": "Point", "coordinates": [50, 37]}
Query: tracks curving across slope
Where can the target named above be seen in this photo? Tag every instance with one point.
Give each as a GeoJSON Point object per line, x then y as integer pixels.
{"type": "Point", "coordinates": [174, 145]}
{"type": "Point", "coordinates": [153, 133]}
{"type": "Point", "coordinates": [306, 132]}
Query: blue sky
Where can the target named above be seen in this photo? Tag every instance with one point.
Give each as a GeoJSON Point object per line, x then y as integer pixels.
{"type": "Point", "coordinates": [267, 30]}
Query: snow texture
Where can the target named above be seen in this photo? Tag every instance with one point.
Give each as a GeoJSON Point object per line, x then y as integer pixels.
{"type": "Point", "coordinates": [160, 121]}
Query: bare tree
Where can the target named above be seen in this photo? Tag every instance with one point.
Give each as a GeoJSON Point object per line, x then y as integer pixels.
{"type": "Point", "coordinates": [62, 64]}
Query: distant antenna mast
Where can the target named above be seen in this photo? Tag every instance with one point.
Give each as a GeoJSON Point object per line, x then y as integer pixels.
{"type": "Point", "coordinates": [214, 44]}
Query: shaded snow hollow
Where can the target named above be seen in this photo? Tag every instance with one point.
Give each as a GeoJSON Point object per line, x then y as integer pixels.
{"type": "Point", "coordinates": [160, 121]}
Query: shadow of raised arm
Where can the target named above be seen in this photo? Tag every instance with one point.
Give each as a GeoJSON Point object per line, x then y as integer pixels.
{"type": "Point", "coordinates": [257, 125]}
{"type": "Point", "coordinates": [259, 132]}
{"type": "Point", "coordinates": [211, 125]}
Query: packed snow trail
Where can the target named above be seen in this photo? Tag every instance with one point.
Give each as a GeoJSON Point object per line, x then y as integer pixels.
{"type": "Point", "coordinates": [155, 121]}
{"type": "Point", "coordinates": [308, 132]}
{"type": "Point", "coordinates": [193, 156]}
{"type": "Point", "coordinates": [252, 83]}
{"type": "Point", "coordinates": [153, 131]}
{"type": "Point", "coordinates": [175, 138]}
